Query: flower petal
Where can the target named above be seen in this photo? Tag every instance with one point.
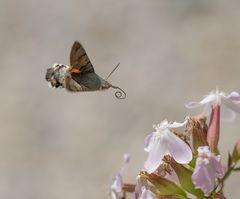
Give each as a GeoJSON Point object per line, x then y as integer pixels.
{"type": "Point", "coordinates": [126, 159]}
{"type": "Point", "coordinates": [117, 184]}
{"type": "Point", "coordinates": [208, 168]}
{"type": "Point", "coordinates": [211, 97]}
{"type": "Point", "coordinates": [147, 142]}
{"type": "Point", "coordinates": [231, 104]}
{"type": "Point", "coordinates": [202, 180]}
{"type": "Point", "coordinates": [234, 96]}
{"type": "Point", "coordinates": [156, 154]}
{"type": "Point", "coordinates": [207, 100]}
{"type": "Point", "coordinates": [227, 114]}
{"type": "Point", "coordinates": [114, 194]}
{"type": "Point", "coordinates": [219, 169]}
{"type": "Point", "coordinates": [146, 194]}
{"type": "Point", "coordinates": [163, 123]}
{"type": "Point", "coordinates": [178, 149]}
{"type": "Point", "coordinates": [206, 109]}
{"type": "Point", "coordinates": [177, 124]}
{"type": "Point", "coordinates": [192, 104]}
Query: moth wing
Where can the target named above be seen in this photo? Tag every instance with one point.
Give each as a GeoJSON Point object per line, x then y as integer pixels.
{"type": "Point", "coordinates": [79, 59]}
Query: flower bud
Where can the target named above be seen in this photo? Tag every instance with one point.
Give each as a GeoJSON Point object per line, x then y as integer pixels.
{"type": "Point", "coordinates": [236, 152]}
{"type": "Point", "coordinates": [213, 130]}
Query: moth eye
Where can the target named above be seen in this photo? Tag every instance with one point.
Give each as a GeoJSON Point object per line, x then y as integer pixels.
{"type": "Point", "coordinates": [57, 84]}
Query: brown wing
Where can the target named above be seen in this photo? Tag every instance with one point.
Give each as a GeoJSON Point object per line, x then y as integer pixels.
{"type": "Point", "coordinates": [79, 59]}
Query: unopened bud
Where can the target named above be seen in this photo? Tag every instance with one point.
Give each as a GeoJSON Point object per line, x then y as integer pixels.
{"type": "Point", "coordinates": [214, 128]}
{"type": "Point", "coordinates": [236, 152]}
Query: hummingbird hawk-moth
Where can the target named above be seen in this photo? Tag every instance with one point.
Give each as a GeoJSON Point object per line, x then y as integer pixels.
{"type": "Point", "coordinates": [80, 76]}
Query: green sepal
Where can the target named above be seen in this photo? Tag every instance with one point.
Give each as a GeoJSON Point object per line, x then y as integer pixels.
{"type": "Point", "coordinates": [236, 152]}
{"type": "Point", "coordinates": [192, 163]}
{"type": "Point", "coordinates": [185, 179]}
{"type": "Point", "coordinates": [164, 186]}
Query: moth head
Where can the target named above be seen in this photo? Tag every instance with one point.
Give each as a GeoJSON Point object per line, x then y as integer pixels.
{"type": "Point", "coordinates": [55, 75]}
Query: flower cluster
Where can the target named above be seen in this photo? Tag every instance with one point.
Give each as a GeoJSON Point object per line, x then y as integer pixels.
{"type": "Point", "coordinates": [185, 163]}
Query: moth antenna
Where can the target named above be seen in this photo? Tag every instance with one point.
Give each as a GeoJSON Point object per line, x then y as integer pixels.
{"type": "Point", "coordinates": [120, 93]}
{"type": "Point", "coordinates": [113, 70]}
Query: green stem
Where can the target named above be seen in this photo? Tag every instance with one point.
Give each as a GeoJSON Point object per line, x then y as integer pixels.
{"type": "Point", "coordinates": [226, 175]}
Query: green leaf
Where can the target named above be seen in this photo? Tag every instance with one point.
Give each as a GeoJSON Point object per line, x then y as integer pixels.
{"type": "Point", "coordinates": [164, 186]}
{"type": "Point", "coordinates": [154, 190]}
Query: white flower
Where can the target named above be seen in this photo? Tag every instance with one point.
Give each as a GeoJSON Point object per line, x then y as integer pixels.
{"type": "Point", "coordinates": [231, 101]}
{"type": "Point", "coordinates": [163, 142]}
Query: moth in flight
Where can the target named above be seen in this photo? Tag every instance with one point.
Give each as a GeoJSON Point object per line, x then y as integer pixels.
{"type": "Point", "coordinates": [80, 76]}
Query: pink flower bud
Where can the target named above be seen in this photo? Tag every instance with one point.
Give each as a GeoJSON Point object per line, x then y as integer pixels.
{"type": "Point", "coordinates": [214, 127]}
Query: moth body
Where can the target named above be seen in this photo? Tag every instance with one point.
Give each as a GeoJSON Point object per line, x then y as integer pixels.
{"type": "Point", "coordinates": [80, 75]}
{"type": "Point", "coordinates": [85, 82]}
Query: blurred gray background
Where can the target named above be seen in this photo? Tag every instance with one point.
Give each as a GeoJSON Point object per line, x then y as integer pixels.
{"type": "Point", "coordinates": [58, 145]}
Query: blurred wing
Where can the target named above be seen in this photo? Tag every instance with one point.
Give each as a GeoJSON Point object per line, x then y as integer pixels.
{"type": "Point", "coordinates": [79, 59]}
